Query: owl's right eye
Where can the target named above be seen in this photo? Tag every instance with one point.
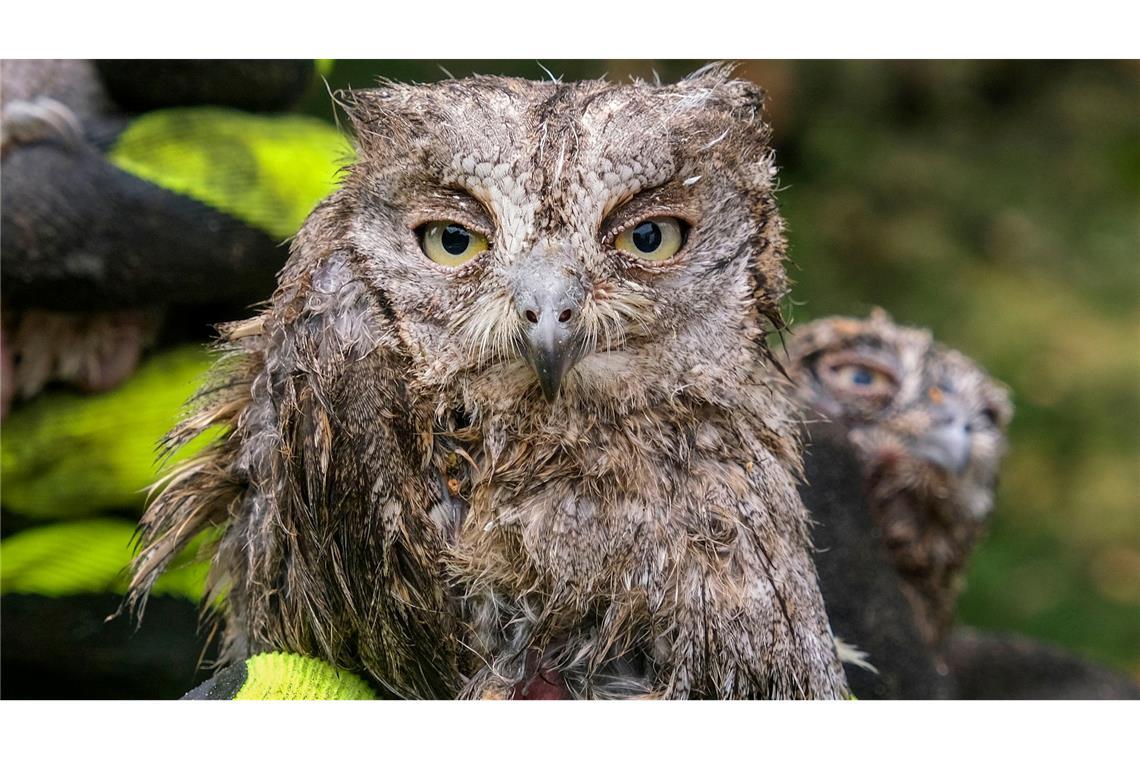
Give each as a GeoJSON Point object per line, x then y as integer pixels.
{"type": "Point", "coordinates": [450, 243]}
{"type": "Point", "coordinates": [655, 239]}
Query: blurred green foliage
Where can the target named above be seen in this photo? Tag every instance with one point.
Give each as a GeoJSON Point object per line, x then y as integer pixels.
{"type": "Point", "coordinates": [999, 204]}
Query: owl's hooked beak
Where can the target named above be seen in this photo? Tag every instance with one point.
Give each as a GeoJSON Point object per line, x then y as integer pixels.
{"type": "Point", "coordinates": [551, 352]}
{"type": "Point", "coordinates": [948, 443]}
{"type": "Point", "coordinates": [549, 305]}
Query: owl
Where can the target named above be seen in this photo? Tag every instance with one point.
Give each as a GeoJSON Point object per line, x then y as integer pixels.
{"type": "Point", "coordinates": [929, 427]}
{"type": "Point", "coordinates": [508, 427]}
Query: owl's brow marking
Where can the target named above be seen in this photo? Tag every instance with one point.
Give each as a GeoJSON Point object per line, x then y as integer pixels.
{"type": "Point", "coordinates": [547, 112]}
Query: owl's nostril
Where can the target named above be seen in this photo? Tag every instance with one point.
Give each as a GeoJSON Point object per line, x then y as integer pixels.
{"type": "Point", "coordinates": [531, 317]}
{"type": "Point", "coordinates": [565, 315]}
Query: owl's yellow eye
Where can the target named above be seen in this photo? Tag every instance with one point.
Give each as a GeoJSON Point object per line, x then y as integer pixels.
{"type": "Point", "coordinates": [452, 244]}
{"type": "Point", "coordinates": [655, 239]}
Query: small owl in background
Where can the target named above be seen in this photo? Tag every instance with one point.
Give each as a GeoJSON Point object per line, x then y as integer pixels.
{"type": "Point", "coordinates": [509, 425]}
{"type": "Point", "coordinates": [929, 426]}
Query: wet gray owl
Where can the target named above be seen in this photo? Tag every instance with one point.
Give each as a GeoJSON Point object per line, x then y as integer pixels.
{"type": "Point", "coordinates": [929, 426]}
{"type": "Point", "coordinates": [508, 427]}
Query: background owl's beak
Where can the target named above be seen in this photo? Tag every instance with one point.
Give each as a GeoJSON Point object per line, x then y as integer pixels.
{"type": "Point", "coordinates": [947, 443]}
{"type": "Point", "coordinates": [549, 305]}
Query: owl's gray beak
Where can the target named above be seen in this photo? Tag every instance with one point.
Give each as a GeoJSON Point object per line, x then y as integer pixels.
{"type": "Point", "coordinates": [549, 305]}
{"type": "Point", "coordinates": [947, 444]}
{"type": "Point", "coordinates": [551, 352]}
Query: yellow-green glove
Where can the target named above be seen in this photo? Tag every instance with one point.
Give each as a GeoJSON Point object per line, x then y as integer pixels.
{"type": "Point", "coordinates": [278, 675]}
{"type": "Point", "coordinates": [69, 455]}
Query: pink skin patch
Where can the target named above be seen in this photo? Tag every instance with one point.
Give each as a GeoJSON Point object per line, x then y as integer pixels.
{"type": "Point", "coordinates": [539, 683]}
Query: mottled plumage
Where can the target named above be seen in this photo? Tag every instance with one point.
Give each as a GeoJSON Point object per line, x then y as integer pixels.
{"type": "Point", "coordinates": [555, 468]}
{"type": "Point", "coordinates": [930, 428]}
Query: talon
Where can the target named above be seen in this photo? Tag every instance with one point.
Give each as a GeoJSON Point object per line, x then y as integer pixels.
{"type": "Point", "coordinates": [29, 121]}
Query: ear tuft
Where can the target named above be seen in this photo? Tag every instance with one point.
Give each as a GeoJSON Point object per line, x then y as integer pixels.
{"type": "Point", "coordinates": [379, 113]}
{"type": "Point", "coordinates": [879, 314]}
{"type": "Point", "coordinates": [713, 74]}
{"type": "Point", "coordinates": [717, 82]}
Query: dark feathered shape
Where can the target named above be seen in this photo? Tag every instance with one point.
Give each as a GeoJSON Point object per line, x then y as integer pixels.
{"type": "Point", "coordinates": [861, 587]}
{"type": "Point", "coordinates": [991, 665]}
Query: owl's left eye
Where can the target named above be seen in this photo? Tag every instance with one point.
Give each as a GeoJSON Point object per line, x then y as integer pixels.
{"type": "Point", "coordinates": [655, 239]}
{"type": "Point", "coordinates": [450, 243]}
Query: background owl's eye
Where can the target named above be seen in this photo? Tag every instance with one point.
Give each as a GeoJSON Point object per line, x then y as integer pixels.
{"type": "Point", "coordinates": [991, 416]}
{"type": "Point", "coordinates": [862, 376]}
{"type": "Point", "coordinates": [656, 239]}
{"type": "Point", "coordinates": [451, 244]}
{"type": "Point", "coordinates": [862, 379]}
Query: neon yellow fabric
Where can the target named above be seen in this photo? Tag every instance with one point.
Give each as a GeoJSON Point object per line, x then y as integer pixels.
{"type": "Point", "coordinates": [277, 675]}
{"type": "Point", "coordinates": [86, 556]}
{"type": "Point", "coordinates": [268, 171]}
{"type": "Point", "coordinates": [70, 455]}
